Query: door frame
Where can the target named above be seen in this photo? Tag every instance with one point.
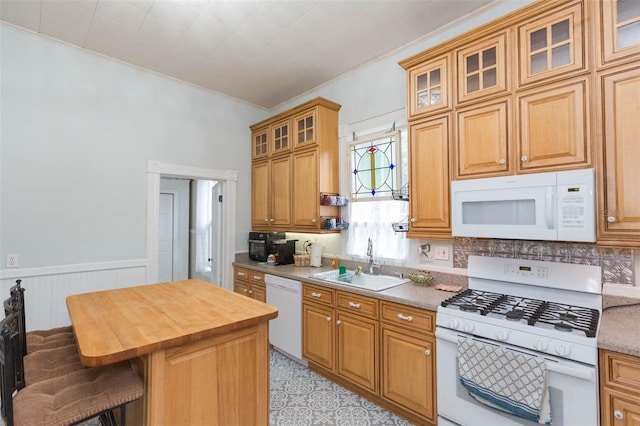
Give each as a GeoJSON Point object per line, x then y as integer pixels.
{"type": "Point", "coordinates": [227, 178]}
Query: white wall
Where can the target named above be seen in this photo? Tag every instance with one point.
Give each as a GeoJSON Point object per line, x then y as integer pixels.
{"type": "Point", "coordinates": [77, 130]}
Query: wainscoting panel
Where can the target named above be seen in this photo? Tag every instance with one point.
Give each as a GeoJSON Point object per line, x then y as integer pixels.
{"type": "Point", "coordinates": [47, 288]}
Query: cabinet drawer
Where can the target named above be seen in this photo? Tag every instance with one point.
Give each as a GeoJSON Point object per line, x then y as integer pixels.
{"type": "Point", "coordinates": [620, 371]}
{"type": "Point", "coordinates": [256, 277]}
{"type": "Point", "coordinates": [418, 320]}
{"type": "Point", "coordinates": [240, 273]}
{"type": "Point", "coordinates": [358, 304]}
{"type": "Point", "coordinates": [318, 294]}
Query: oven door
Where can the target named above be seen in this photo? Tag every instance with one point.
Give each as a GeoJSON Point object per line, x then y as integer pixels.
{"type": "Point", "coordinates": [573, 389]}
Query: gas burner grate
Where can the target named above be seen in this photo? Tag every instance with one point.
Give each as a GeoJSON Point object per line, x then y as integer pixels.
{"type": "Point", "coordinates": [568, 318]}
{"type": "Point", "coordinates": [517, 308]}
{"type": "Point", "coordinates": [475, 301]}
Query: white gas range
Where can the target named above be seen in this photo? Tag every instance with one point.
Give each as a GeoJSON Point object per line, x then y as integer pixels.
{"type": "Point", "coordinates": [545, 311]}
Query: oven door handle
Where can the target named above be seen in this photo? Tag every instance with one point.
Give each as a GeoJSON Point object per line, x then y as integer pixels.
{"type": "Point", "coordinates": [579, 373]}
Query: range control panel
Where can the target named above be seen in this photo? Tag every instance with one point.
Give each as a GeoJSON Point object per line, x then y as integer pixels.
{"type": "Point", "coordinates": [521, 270]}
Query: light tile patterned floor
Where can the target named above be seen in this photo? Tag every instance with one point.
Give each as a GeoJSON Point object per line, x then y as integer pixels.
{"type": "Point", "coordinates": [300, 397]}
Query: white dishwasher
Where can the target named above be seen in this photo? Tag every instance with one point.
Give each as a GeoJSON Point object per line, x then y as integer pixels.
{"type": "Point", "coordinates": [285, 331]}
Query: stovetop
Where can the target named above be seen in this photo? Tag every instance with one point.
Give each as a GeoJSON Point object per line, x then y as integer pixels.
{"type": "Point", "coordinates": [527, 311]}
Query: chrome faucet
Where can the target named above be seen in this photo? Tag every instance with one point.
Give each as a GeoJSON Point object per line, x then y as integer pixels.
{"type": "Point", "coordinates": [372, 264]}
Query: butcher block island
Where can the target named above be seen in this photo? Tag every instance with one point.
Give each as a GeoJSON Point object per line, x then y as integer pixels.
{"type": "Point", "coordinates": [202, 351]}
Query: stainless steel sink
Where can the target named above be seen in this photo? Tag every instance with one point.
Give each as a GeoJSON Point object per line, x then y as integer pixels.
{"type": "Point", "coordinates": [363, 281]}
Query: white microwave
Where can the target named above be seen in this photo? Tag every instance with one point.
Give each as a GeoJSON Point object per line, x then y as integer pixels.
{"type": "Point", "coordinates": [557, 206]}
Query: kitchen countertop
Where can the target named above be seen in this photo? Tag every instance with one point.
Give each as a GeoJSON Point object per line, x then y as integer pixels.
{"type": "Point", "coordinates": [408, 294]}
{"type": "Point", "coordinates": [619, 325]}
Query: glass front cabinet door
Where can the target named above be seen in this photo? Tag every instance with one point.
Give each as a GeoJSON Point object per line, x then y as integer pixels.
{"type": "Point", "coordinates": [620, 32]}
{"type": "Point", "coordinates": [428, 87]}
{"type": "Point", "coordinates": [551, 46]}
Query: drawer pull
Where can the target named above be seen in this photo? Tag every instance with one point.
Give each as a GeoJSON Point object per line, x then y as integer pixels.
{"type": "Point", "coordinates": [245, 290]}
{"type": "Point", "coordinates": [257, 277]}
{"type": "Point", "coordinates": [427, 352]}
{"type": "Point", "coordinates": [241, 274]}
{"type": "Point", "coordinates": [405, 318]}
{"type": "Point", "coordinates": [354, 305]}
{"type": "Point", "coordinates": [314, 294]}
{"type": "Point", "coordinates": [250, 291]}
{"type": "Point", "coordinates": [618, 415]}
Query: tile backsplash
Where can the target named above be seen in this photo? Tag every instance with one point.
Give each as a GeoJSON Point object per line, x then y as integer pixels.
{"type": "Point", "coordinates": [617, 263]}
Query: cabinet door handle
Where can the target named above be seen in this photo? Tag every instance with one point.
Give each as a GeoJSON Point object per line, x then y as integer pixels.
{"type": "Point", "coordinates": [245, 290]}
{"type": "Point", "coordinates": [314, 294]}
{"type": "Point", "coordinates": [354, 305]}
{"type": "Point", "coordinates": [524, 158]}
{"type": "Point", "coordinates": [328, 319]}
{"type": "Point", "coordinates": [427, 352]}
{"type": "Point", "coordinates": [611, 219]}
{"type": "Point", "coordinates": [618, 415]}
{"type": "Point", "coordinates": [405, 318]}
{"type": "Point", "coordinates": [250, 291]}
{"type": "Point", "coordinates": [502, 161]}
{"type": "Point", "coordinates": [266, 219]}
{"type": "Point", "coordinates": [270, 220]}
{"type": "Point", "coordinates": [313, 220]}
{"type": "Point", "coordinates": [413, 219]}
{"type": "Point", "coordinates": [338, 322]}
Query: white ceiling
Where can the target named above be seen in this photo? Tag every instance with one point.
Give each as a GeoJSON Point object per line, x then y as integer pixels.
{"type": "Point", "coordinates": [264, 52]}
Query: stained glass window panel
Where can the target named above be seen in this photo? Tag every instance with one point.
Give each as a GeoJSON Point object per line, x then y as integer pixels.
{"type": "Point", "coordinates": [374, 167]}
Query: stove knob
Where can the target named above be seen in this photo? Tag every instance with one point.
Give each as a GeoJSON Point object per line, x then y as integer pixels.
{"type": "Point", "coordinates": [502, 334]}
{"type": "Point", "coordinates": [540, 344]}
{"type": "Point", "coordinates": [563, 349]}
{"type": "Point", "coordinates": [454, 323]}
{"type": "Point", "coordinates": [468, 327]}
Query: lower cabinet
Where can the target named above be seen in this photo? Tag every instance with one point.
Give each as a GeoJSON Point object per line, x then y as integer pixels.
{"type": "Point", "coordinates": [619, 389]}
{"type": "Point", "coordinates": [340, 334]}
{"type": "Point", "coordinates": [408, 358]}
{"type": "Point", "coordinates": [381, 350]}
{"type": "Point", "coordinates": [250, 283]}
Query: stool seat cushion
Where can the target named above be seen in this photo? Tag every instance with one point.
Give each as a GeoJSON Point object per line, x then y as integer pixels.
{"type": "Point", "coordinates": [76, 396]}
{"type": "Point", "coordinates": [48, 363]}
{"type": "Point", "coordinates": [53, 338]}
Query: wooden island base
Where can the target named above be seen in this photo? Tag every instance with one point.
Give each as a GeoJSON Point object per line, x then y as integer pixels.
{"type": "Point", "coordinates": [222, 380]}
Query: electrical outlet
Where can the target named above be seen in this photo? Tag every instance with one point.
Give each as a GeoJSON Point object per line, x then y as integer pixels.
{"type": "Point", "coordinates": [441, 253]}
{"type": "Point", "coordinates": [12, 260]}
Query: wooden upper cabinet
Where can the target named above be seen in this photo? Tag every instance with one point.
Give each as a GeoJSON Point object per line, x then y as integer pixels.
{"type": "Point", "coordinates": [281, 137]}
{"type": "Point", "coordinates": [306, 204]}
{"type": "Point", "coordinates": [260, 143]}
{"type": "Point", "coordinates": [482, 68]}
{"type": "Point", "coordinates": [482, 138]}
{"type": "Point", "coordinates": [553, 127]}
{"type": "Point", "coordinates": [302, 162]}
{"type": "Point", "coordinates": [305, 128]}
{"type": "Point", "coordinates": [429, 197]}
{"type": "Point", "coordinates": [552, 46]}
{"type": "Point", "coordinates": [429, 87]}
{"type": "Point", "coordinates": [618, 31]}
{"type": "Point", "coordinates": [619, 174]}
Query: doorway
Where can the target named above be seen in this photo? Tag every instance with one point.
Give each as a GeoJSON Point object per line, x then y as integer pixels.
{"type": "Point", "coordinates": [222, 226]}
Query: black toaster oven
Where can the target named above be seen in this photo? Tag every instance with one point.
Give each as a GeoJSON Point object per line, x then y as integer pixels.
{"type": "Point", "coordinates": [261, 244]}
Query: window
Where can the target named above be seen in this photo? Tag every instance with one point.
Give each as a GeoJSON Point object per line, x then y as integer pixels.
{"type": "Point", "coordinates": [378, 168]}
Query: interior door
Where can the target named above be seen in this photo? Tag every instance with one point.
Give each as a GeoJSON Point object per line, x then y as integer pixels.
{"type": "Point", "coordinates": [165, 240]}
{"type": "Point", "coordinates": [216, 235]}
